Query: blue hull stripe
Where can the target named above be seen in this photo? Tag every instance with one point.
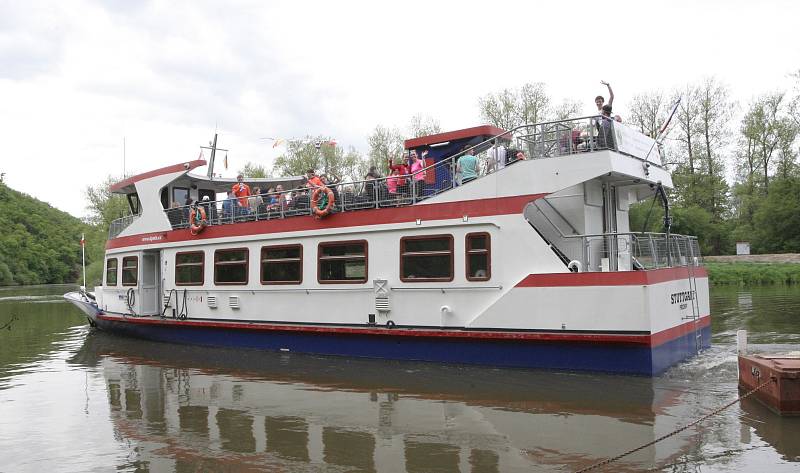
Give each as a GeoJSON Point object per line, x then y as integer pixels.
{"type": "Point", "coordinates": [605, 357]}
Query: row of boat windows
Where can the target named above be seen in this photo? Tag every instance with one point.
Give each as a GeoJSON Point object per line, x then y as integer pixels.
{"type": "Point", "coordinates": [422, 259]}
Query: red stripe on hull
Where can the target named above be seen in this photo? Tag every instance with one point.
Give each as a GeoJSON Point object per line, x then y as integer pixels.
{"type": "Point", "coordinates": [614, 278]}
{"type": "Point", "coordinates": [360, 218]}
{"type": "Point", "coordinates": [652, 340]}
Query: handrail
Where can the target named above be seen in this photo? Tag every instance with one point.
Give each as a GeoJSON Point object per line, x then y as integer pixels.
{"type": "Point", "coordinates": [539, 140]}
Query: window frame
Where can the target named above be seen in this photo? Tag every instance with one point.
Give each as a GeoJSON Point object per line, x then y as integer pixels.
{"type": "Point", "coordinates": [225, 263]}
{"type": "Point", "coordinates": [175, 188]}
{"type": "Point", "coordinates": [279, 247]}
{"type": "Point", "coordinates": [202, 265]}
{"type": "Point", "coordinates": [136, 259]}
{"type": "Point", "coordinates": [320, 259]}
{"type": "Point", "coordinates": [451, 252]}
{"type": "Point", "coordinates": [469, 251]}
{"type": "Point", "coordinates": [116, 272]}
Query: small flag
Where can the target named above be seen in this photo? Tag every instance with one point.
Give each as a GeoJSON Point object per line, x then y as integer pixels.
{"type": "Point", "coordinates": [225, 161]}
{"type": "Point", "coordinates": [278, 142]}
{"type": "Point", "coordinates": [83, 240]}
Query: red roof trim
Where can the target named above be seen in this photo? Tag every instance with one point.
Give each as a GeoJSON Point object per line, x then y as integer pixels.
{"type": "Point", "coordinates": [358, 218]}
{"type": "Point", "coordinates": [651, 340]}
{"type": "Point", "coordinates": [453, 135]}
{"type": "Point", "coordinates": [187, 166]}
{"type": "Point", "coordinates": [613, 278]}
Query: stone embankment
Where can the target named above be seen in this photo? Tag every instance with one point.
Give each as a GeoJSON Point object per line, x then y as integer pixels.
{"type": "Point", "coordinates": [780, 258]}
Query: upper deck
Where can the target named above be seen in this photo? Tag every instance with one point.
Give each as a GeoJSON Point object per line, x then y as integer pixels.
{"type": "Point", "coordinates": [558, 139]}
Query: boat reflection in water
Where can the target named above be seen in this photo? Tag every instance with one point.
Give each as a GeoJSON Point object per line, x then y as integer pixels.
{"type": "Point", "coordinates": [190, 408]}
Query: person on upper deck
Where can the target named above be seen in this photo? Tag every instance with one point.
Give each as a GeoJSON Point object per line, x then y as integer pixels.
{"type": "Point", "coordinates": [600, 101]}
{"type": "Point", "coordinates": [255, 200]}
{"type": "Point", "coordinates": [467, 166]}
{"type": "Point", "coordinates": [497, 157]}
{"type": "Point", "coordinates": [418, 174]}
{"type": "Point", "coordinates": [227, 206]}
{"type": "Point", "coordinates": [605, 137]}
{"type": "Point", "coordinates": [241, 191]}
{"type": "Point", "coordinates": [312, 180]}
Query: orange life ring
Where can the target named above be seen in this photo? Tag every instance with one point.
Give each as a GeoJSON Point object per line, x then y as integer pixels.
{"type": "Point", "coordinates": [318, 212]}
{"type": "Point", "coordinates": [197, 227]}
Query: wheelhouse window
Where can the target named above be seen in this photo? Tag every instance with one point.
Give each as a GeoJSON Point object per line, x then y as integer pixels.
{"type": "Point", "coordinates": [282, 264]}
{"type": "Point", "coordinates": [230, 266]}
{"type": "Point", "coordinates": [130, 270]}
{"type": "Point", "coordinates": [342, 262]}
{"type": "Point", "coordinates": [111, 271]}
{"type": "Point", "coordinates": [189, 268]}
{"type": "Point", "coordinates": [180, 194]}
{"type": "Point", "coordinates": [479, 256]}
{"type": "Point", "coordinates": [426, 258]}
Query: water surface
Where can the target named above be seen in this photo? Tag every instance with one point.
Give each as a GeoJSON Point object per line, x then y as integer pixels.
{"type": "Point", "coordinates": [74, 400]}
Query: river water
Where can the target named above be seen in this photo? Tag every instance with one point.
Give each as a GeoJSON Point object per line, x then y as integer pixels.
{"type": "Point", "coordinates": [75, 400]}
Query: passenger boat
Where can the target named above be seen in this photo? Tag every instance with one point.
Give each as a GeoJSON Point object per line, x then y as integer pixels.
{"type": "Point", "coordinates": [532, 264]}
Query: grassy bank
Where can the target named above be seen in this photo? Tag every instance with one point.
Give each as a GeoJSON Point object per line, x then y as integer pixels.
{"type": "Point", "coordinates": [742, 274]}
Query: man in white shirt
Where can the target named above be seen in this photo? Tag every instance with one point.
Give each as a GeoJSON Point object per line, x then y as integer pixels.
{"type": "Point", "coordinates": [497, 157]}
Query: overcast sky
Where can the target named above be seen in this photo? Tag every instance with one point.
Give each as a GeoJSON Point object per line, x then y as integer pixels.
{"type": "Point", "coordinates": [78, 76]}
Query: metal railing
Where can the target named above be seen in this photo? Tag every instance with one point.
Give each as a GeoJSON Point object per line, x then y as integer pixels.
{"type": "Point", "coordinates": [120, 224]}
{"type": "Point", "coordinates": [534, 141]}
{"type": "Point", "coordinates": [630, 251]}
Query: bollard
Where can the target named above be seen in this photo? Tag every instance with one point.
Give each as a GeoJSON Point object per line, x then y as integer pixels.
{"type": "Point", "coordinates": [741, 342]}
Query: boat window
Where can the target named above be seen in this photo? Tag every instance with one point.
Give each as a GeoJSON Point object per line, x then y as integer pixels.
{"type": "Point", "coordinates": [479, 256]}
{"type": "Point", "coordinates": [164, 198]}
{"type": "Point", "coordinates": [111, 271]}
{"type": "Point", "coordinates": [130, 270]}
{"type": "Point", "coordinates": [342, 262]}
{"type": "Point", "coordinates": [282, 264]}
{"type": "Point", "coordinates": [230, 266]}
{"type": "Point", "coordinates": [180, 194]}
{"type": "Point", "coordinates": [133, 203]}
{"type": "Point", "coordinates": [189, 268]}
{"type": "Point", "coordinates": [426, 258]}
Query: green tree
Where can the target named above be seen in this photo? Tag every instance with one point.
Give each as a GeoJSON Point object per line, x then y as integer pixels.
{"type": "Point", "coordinates": [777, 219]}
{"type": "Point", "coordinates": [254, 170]}
{"type": "Point", "coordinates": [322, 156]}
{"type": "Point", "coordinates": [103, 206]}
{"type": "Point", "coordinates": [423, 125]}
{"type": "Point", "coordinates": [384, 144]}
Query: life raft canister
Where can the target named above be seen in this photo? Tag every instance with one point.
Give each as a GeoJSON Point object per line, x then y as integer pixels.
{"type": "Point", "coordinates": [315, 200]}
{"type": "Point", "coordinates": [197, 225]}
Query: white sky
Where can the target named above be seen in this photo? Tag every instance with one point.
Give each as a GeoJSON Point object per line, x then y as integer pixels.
{"type": "Point", "coordinates": [76, 77]}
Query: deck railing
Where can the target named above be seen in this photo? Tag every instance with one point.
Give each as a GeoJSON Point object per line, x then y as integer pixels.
{"type": "Point", "coordinates": [120, 224]}
{"type": "Point", "coordinates": [535, 141]}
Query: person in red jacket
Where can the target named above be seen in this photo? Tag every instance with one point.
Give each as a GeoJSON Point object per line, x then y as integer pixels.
{"type": "Point", "coordinates": [241, 191]}
{"type": "Point", "coordinates": [313, 181]}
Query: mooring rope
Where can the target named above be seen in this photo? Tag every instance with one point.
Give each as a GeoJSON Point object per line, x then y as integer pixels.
{"type": "Point", "coordinates": [680, 429]}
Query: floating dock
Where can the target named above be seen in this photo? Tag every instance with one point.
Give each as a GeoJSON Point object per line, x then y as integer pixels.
{"type": "Point", "coordinates": [781, 396]}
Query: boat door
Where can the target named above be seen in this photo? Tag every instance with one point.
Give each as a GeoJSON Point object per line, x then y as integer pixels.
{"type": "Point", "coordinates": [150, 293]}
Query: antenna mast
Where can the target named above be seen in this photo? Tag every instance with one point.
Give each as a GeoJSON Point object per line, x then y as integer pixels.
{"type": "Point", "coordinates": [213, 149]}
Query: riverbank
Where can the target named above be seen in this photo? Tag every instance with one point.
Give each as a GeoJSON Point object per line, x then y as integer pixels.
{"type": "Point", "coordinates": [744, 273]}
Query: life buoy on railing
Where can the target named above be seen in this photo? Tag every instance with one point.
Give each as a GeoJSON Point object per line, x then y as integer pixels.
{"type": "Point", "coordinates": [197, 225]}
{"type": "Point", "coordinates": [315, 198]}
{"type": "Point", "coordinates": [575, 266]}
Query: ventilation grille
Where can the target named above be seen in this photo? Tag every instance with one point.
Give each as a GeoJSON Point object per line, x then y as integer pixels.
{"type": "Point", "coordinates": [382, 304]}
{"type": "Point", "coordinates": [233, 301]}
{"type": "Point", "coordinates": [212, 301]}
